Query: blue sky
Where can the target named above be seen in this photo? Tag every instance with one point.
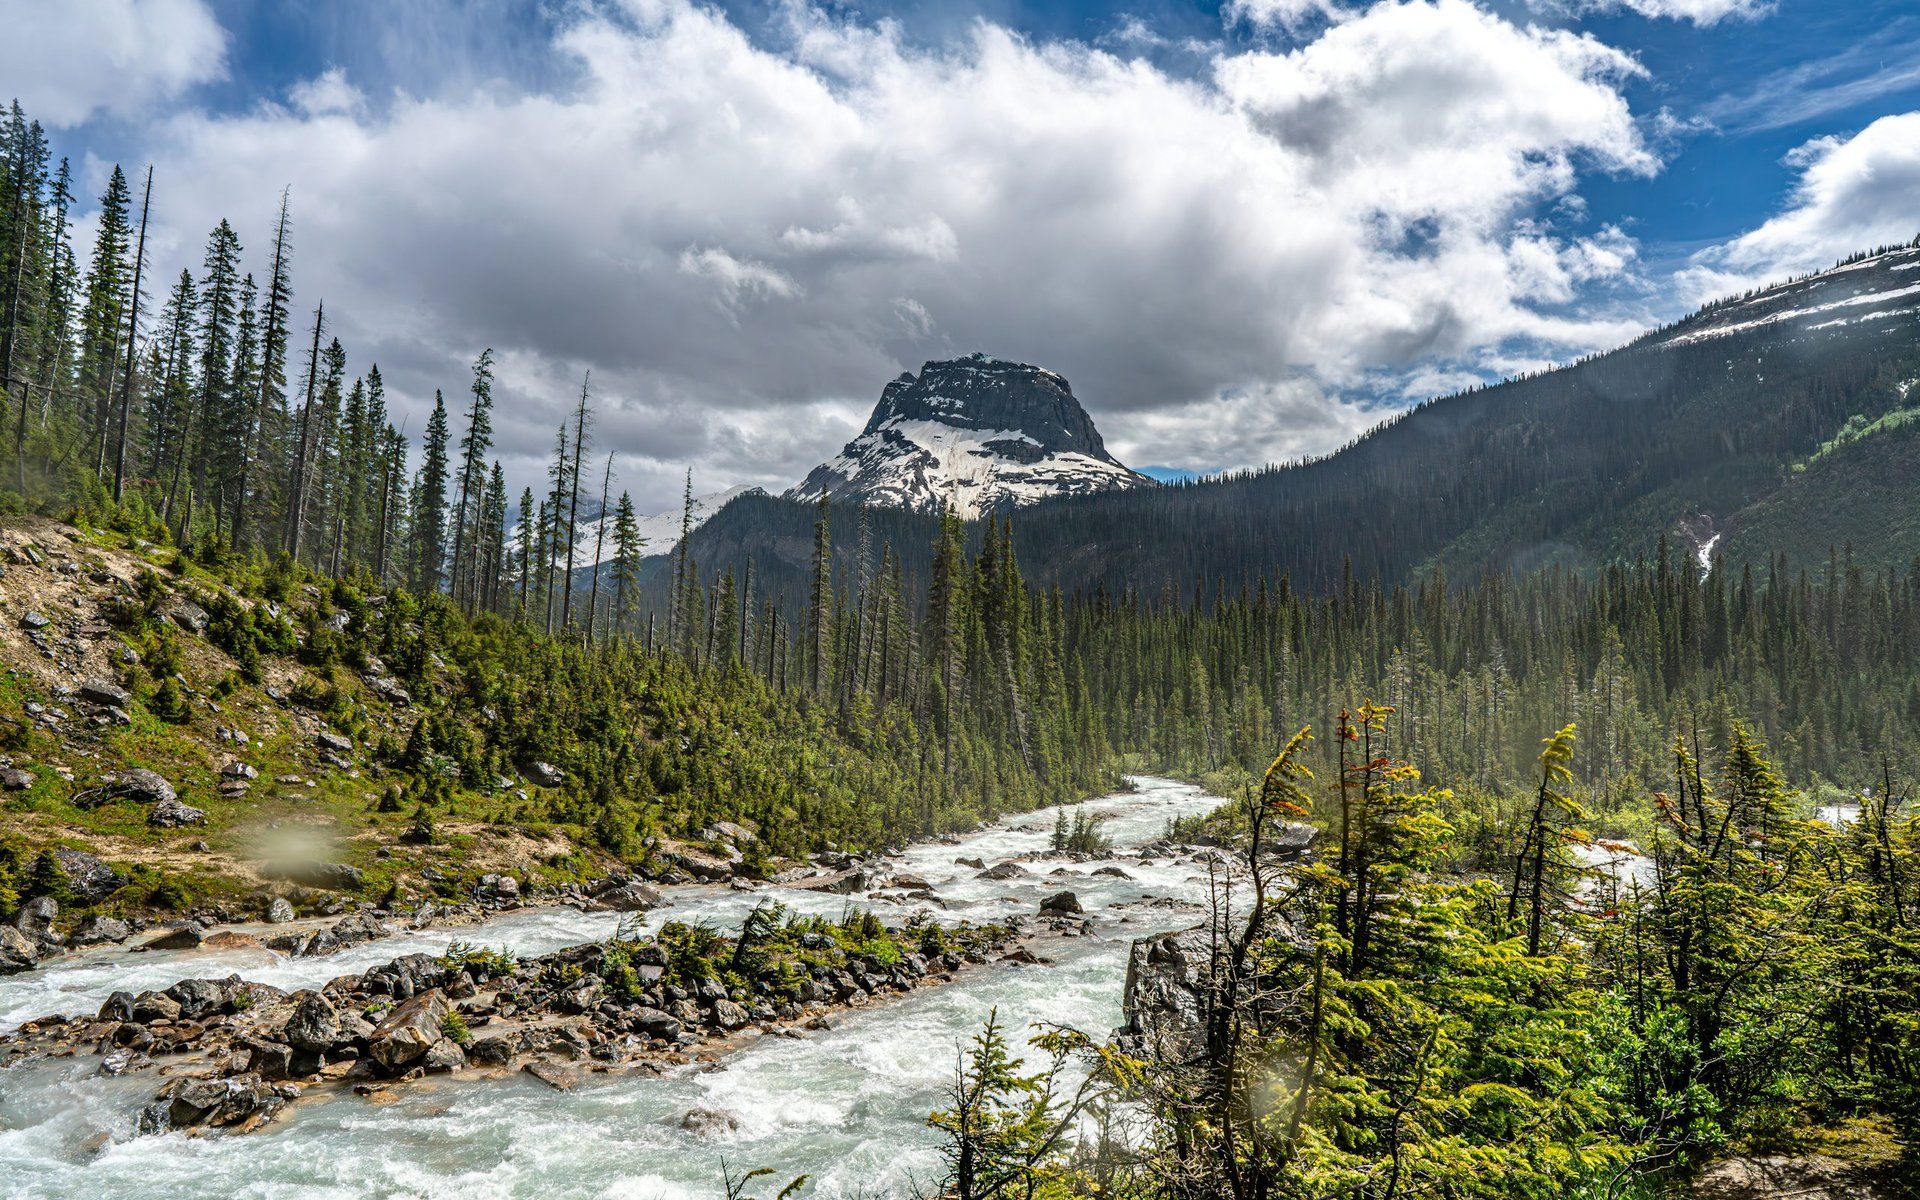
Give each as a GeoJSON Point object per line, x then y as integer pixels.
{"type": "Point", "coordinates": [1243, 234]}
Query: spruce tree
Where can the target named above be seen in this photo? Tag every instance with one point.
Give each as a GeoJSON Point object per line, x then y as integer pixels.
{"type": "Point", "coordinates": [430, 504]}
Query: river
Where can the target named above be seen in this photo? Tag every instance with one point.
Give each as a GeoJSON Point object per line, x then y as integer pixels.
{"type": "Point", "coordinates": [846, 1105]}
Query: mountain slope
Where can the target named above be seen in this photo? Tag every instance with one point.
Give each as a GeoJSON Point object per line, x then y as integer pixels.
{"type": "Point", "coordinates": [976, 434]}
{"type": "Point", "coordinates": [1691, 431]}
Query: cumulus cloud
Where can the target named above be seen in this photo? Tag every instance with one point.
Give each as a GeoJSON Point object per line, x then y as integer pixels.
{"type": "Point", "coordinates": [1853, 194]}
{"type": "Point", "coordinates": [67, 60]}
{"type": "Point", "coordinates": [745, 239]}
{"type": "Point", "coordinates": [1700, 12]}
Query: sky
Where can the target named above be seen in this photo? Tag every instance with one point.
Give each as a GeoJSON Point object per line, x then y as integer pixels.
{"type": "Point", "coordinates": [1244, 232]}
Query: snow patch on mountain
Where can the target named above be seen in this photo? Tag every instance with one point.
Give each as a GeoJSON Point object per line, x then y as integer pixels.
{"type": "Point", "coordinates": [977, 435]}
{"type": "Point", "coordinates": [1867, 284]}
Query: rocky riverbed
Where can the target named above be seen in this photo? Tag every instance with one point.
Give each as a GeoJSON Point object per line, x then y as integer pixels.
{"type": "Point", "coordinates": [840, 1091]}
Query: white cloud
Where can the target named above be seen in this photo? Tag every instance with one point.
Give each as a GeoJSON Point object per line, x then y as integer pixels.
{"type": "Point", "coordinates": [1287, 15]}
{"type": "Point", "coordinates": [1853, 194]}
{"type": "Point", "coordinates": [66, 60]}
{"type": "Point", "coordinates": [745, 241]}
{"type": "Point", "coordinates": [1700, 12]}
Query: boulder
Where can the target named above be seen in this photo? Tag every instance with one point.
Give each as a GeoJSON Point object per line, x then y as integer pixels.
{"type": "Point", "coordinates": [1113, 872]}
{"type": "Point", "coordinates": [1005, 870]}
{"type": "Point", "coordinates": [491, 1052]}
{"type": "Point", "coordinates": [498, 890]}
{"type": "Point", "coordinates": [14, 779]}
{"type": "Point", "coordinates": [187, 1103]}
{"type": "Point", "coordinates": [105, 693]}
{"type": "Point", "coordinates": [136, 783]}
{"type": "Point", "coordinates": [279, 912]}
{"type": "Point", "coordinates": [1061, 902]}
{"type": "Point", "coordinates": [389, 689]}
{"type": "Point", "coordinates": [978, 864]}
{"type": "Point", "coordinates": [88, 879]}
{"type": "Point", "coordinates": [654, 1024]}
{"type": "Point", "coordinates": [332, 742]}
{"type": "Point", "coordinates": [631, 896]}
{"type": "Point", "coordinates": [405, 1034]}
{"type": "Point", "coordinates": [36, 919]}
{"type": "Point", "coordinates": [273, 1060]}
{"type": "Point", "coordinates": [443, 1056]}
{"type": "Point", "coordinates": [149, 1007]}
{"type": "Point", "coordinates": [728, 1015]}
{"type": "Point", "coordinates": [35, 620]}
{"type": "Point", "coordinates": [558, 1076]}
{"type": "Point", "coordinates": [17, 951]}
{"type": "Point", "coordinates": [702, 1122]}
{"type": "Point", "coordinates": [187, 937]}
{"type": "Point", "coordinates": [188, 616]}
{"type": "Point", "coordinates": [199, 998]}
{"type": "Point", "coordinates": [240, 770]}
{"type": "Point", "coordinates": [314, 1025]}
{"type": "Point", "coordinates": [98, 930]}
{"type": "Point", "coordinates": [545, 774]}
{"type": "Point", "coordinates": [172, 814]}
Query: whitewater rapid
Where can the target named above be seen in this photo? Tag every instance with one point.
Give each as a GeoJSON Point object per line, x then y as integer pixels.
{"type": "Point", "coordinates": [846, 1106]}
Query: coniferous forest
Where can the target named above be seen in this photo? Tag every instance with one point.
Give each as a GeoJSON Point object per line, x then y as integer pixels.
{"type": "Point", "coordinates": [1451, 994]}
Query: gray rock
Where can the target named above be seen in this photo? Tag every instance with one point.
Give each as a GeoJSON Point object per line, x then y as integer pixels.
{"type": "Point", "coordinates": [118, 1007]}
{"type": "Point", "coordinates": [491, 1052]}
{"type": "Point", "coordinates": [628, 897]}
{"type": "Point", "coordinates": [328, 740]}
{"type": "Point", "coordinates": [34, 620]}
{"type": "Point", "coordinates": [314, 1025]}
{"type": "Point", "coordinates": [409, 1031]}
{"type": "Point", "coordinates": [545, 774]}
{"type": "Point", "coordinates": [199, 998]}
{"type": "Point", "coordinates": [1005, 870]}
{"type": "Point", "coordinates": [273, 1060]}
{"type": "Point", "coordinates": [444, 1055]}
{"type": "Point", "coordinates": [155, 1006]}
{"type": "Point", "coordinates": [499, 890]}
{"type": "Point", "coordinates": [389, 689]}
{"type": "Point", "coordinates": [36, 919]}
{"type": "Point", "coordinates": [654, 1024]}
{"type": "Point", "coordinates": [704, 1122]}
{"type": "Point", "coordinates": [188, 616]}
{"type": "Point", "coordinates": [279, 912]}
{"type": "Point", "coordinates": [172, 814]}
{"type": "Point", "coordinates": [88, 879]}
{"type": "Point", "coordinates": [1061, 902]}
{"type": "Point", "coordinates": [13, 779]}
{"type": "Point", "coordinates": [136, 783]}
{"type": "Point", "coordinates": [17, 951]}
{"type": "Point", "coordinates": [98, 930]}
{"type": "Point", "coordinates": [240, 770]}
{"type": "Point", "coordinates": [728, 1015]}
{"type": "Point", "coordinates": [105, 693]}
{"type": "Point", "coordinates": [187, 937]}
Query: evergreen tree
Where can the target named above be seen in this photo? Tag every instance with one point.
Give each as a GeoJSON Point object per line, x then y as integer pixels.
{"type": "Point", "coordinates": [430, 505]}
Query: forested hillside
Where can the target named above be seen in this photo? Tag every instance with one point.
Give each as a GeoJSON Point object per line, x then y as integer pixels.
{"type": "Point", "coordinates": [1747, 419]}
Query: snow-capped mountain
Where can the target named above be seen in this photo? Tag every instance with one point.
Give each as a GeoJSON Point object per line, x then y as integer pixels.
{"type": "Point", "coordinates": [976, 434]}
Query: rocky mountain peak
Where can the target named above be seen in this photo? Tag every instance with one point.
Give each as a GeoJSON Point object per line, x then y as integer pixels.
{"type": "Point", "coordinates": [978, 434]}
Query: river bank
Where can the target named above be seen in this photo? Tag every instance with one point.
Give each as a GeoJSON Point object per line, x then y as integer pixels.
{"type": "Point", "coordinates": [845, 1103]}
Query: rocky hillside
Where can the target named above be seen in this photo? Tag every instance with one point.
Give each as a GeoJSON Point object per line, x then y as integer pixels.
{"type": "Point", "coordinates": [975, 434]}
